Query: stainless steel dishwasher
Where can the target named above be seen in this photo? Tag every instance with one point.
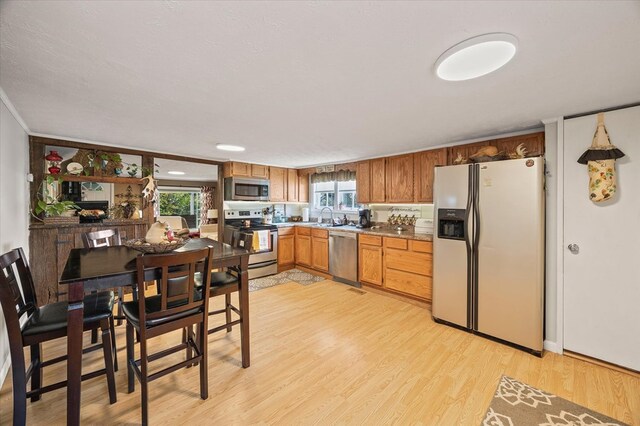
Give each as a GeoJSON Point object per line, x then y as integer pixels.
{"type": "Point", "coordinates": [343, 256]}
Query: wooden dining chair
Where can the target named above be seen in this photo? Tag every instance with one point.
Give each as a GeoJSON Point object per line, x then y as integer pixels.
{"type": "Point", "coordinates": [106, 238]}
{"type": "Point", "coordinates": [44, 323]}
{"type": "Point", "coordinates": [179, 305]}
{"type": "Point", "coordinates": [228, 282]}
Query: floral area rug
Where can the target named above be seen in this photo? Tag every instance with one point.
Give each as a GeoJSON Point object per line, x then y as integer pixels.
{"type": "Point", "coordinates": [518, 404]}
{"type": "Point", "coordinates": [295, 275]}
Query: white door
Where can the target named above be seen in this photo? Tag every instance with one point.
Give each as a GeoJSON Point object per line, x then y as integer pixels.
{"type": "Point", "coordinates": [602, 280]}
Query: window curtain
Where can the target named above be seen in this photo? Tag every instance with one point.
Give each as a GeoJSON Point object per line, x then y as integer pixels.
{"type": "Point", "coordinates": [339, 176]}
{"type": "Point", "coordinates": [207, 202]}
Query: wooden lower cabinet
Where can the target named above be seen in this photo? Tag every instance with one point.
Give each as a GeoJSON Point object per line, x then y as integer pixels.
{"type": "Point", "coordinates": [370, 260]}
{"type": "Point", "coordinates": [49, 248]}
{"type": "Point", "coordinates": [286, 247]}
{"type": "Point", "coordinates": [399, 265]}
{"type": "Point", "coordinates": [406, 282]}
{"type": "Point", "coordinates": [303, 247]}
{"type": "Point", "coordinates": [408, 266]}
{"type": "Point", "coordinates": [320, 250]}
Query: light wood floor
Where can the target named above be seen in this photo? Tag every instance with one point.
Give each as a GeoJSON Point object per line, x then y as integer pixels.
{"type": "Point", "coordinates": [325, 354]}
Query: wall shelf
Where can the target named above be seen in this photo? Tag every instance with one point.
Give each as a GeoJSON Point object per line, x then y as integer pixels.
{"type": "Point", "coordinates": [102, 179]}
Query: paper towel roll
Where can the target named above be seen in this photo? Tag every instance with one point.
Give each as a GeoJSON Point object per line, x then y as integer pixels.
{"type": "Point", "coordinates": [305, 214]}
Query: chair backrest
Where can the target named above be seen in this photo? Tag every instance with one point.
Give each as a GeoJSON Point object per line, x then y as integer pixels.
{"type": "Point", "coordinates": [176, 285]}
{"type": "Point", "coordinates": [242, 239]}
{"type": "Point", "coordinates": [17, 292]}
{"type": "Point", "coordinates": [105, 238]}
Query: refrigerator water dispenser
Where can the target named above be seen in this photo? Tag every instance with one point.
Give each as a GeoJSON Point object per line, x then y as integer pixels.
{"type": "Point", "coordinates": [451, 223]}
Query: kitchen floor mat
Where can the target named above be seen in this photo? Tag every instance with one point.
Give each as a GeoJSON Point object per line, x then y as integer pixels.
{"type": "Point", "coordinates": [518, 404]}
{"type": "Point", "coordinates": [295, 275]}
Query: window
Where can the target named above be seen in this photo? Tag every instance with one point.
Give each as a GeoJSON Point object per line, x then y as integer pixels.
{"type": "Point", "coordinates": [336, 195]}
{"type": "Point", "coordinates": [183, 202]}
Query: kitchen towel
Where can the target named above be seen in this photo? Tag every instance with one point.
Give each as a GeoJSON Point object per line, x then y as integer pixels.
{"type": "Point", "coordinates": [261, 243]}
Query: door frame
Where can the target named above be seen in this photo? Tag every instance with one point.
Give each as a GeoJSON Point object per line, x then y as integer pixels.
{"type": "Point", "coordinates": [554, 258]}
{"type": "Point", "coordinates": [560, 239]}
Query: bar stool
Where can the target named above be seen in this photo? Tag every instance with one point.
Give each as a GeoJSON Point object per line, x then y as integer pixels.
{"type": "Point", "coordinates": [45, 323]}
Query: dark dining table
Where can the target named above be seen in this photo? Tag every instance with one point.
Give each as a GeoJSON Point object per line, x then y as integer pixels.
{"type": "Point", "coordinates": [108, 267]}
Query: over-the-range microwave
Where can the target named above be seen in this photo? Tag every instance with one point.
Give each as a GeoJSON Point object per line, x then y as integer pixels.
{"type": "Point", "coordinates": [246, 189]}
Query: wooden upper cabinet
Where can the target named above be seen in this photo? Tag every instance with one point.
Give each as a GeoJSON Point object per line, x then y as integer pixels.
{"type": "Point", "coordinates": [278, 177]}
{"type": "Point", "coordinates": [424, 164]}
{"type": "Point", "coordinates": [363, 182]}
{"type": "Point", "coordinates": [292, 185]}
{"type": "Point", "coordinates": [400, 179]}
{"type": "Point", "coordinates": [235, 168]}
{"type": "Point", "coordinates": [532, 142]}
{"type": "Point", "coordinates": [377, 183]}
{"type": "Point", "coordinates": [260, 171]}
{"type": "Point", "coordinates": [303, 188]}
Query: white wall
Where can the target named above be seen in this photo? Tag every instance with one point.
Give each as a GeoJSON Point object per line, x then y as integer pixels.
{"type": "Point", "coordinates": [14, 201]}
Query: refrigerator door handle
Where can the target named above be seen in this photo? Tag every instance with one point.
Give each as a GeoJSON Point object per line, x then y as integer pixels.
{"type": "Point", "coordinates": [467, 240]}
{"type": "Point", "coordinates": [476, 241]}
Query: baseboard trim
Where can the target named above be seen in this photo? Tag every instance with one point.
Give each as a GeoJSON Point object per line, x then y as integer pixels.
{"type": "Point", "coordinates": [602, 363]}
{"type": "Point", "coordinates": [4, 370]}
{"type": "Point", "coordinates": [552, 346]}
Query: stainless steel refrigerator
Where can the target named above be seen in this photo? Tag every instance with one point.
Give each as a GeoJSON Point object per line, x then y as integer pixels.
{"type": "Point", "coordinates": [488, 249]}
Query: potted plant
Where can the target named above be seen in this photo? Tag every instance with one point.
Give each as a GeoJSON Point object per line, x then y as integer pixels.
{"type": "Point", "coordinates": [54, 210]}
{"type": "Point", "coordinates": [117, 163]}
{"type": "Point", "coordinates": [132, 169]}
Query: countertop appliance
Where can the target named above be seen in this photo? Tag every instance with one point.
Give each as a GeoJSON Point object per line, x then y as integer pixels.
{"type": "Point", "coordinates": [488, 250]}
{"type": "Point", "coordinates": [246, 189]}
{"type": "Point", "coordinates": [364, 218]}
{"type": "Point", "coordinates": [343, 257]}
{"type": "Point", "coordinates": [261, 262]}
{"type": "Point", "coordinates": [423, 226]}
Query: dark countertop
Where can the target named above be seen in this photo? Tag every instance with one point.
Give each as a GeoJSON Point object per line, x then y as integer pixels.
{"type": "Point", "coordinates": [383, 231]}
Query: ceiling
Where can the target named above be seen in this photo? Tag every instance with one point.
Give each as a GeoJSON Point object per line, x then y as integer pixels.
{"type": "Point", "coordinates": [192, 171]}
{"type": "Point", "coordinates": [305, 83]}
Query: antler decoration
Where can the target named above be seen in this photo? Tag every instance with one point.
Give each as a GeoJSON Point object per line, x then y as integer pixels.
{"type": "Point", "coordinates": [521, 152]}
{"type": "Point", "coordinates": [149, 192]}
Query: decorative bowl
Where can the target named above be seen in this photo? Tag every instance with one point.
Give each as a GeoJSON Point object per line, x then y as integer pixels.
{"type": "Point", "coordinates": [141, 245]}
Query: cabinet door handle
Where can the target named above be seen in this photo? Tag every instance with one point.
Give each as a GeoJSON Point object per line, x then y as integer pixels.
{"type": "Point", "coordinates": [59, 242]}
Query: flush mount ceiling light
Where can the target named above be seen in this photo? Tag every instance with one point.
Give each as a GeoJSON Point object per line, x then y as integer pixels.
{"type": "Point", "coordinates": [226, 147]}
{"type": "Point", "coordinates": [476, 56]}
{"type": "Point", "coordinates": [175, 172]}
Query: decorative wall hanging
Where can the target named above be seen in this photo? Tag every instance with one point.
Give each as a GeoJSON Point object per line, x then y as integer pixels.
{"type": "Point", "coordinates": [487, 153]}
{"type": "Point", "coordinates": [601, 162]}
{"type": "Point", "coordinates": [150, 190]}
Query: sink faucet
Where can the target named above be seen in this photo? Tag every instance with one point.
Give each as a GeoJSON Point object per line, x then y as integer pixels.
{"type": "Point", "coordinates": [330, 211]}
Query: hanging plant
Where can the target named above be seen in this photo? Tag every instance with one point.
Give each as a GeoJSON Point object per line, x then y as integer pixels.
{"type": "Point", "coordinates": [48, 204]}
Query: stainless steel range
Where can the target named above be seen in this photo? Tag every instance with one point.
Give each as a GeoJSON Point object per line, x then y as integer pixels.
{"type": "Point", "coordinates": [264, 253]}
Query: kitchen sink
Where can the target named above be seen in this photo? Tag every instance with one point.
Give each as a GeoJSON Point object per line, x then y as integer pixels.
{"type": "Point", "coordinates": [328, 225]}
